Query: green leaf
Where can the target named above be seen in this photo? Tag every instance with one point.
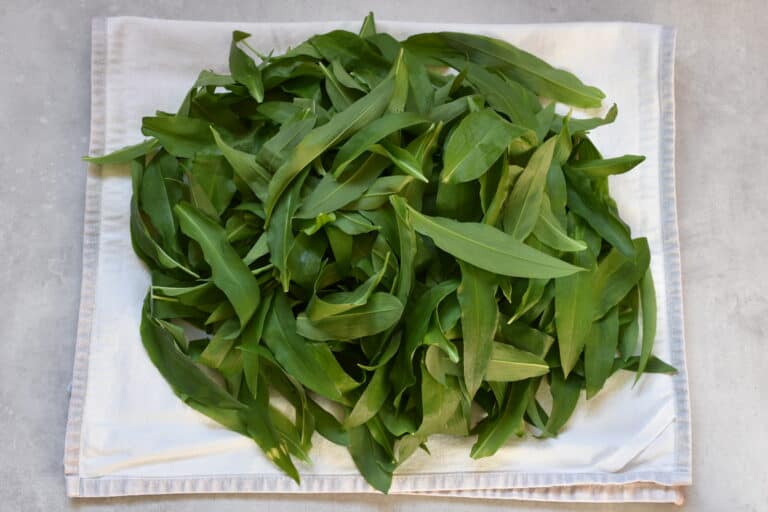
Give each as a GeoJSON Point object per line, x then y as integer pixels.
{"type": "Point", "coordinates": [488, 248]}
{"type": "Point", "coordinates": [312, 364]}
{"type": "Point", "coordinates": [506, 96]}
{"type": "Point", "coordinates": [444, 408]}
{"type": "Point", "coordinates": [550, 232]}
{"type": "Point", "coordinates": [243, 69]}
{"type": "Point", "coordinates": [574, 310]}
{"type": "Point", "coordinates": [377, 195]}
{"type": "Point", "coordinates": [245, 165]}
{"type": "Point", "coordinates": [371, 400]}
{"type": "Point", "coordinates": [369, 135]}
{"type": "Point", "coordinates": [509, 364]}
{"type": "Point", "coordinates": [327, 425]}
{"type": "Point", "coordinates": [494, 432]}
{"type": "Point", "coordinates": [371, 459]}
{"type": "Point", "coordinates": [250, 341]}
{"type": "Point", "coordinates": [259, 249]}
{"type": "Point", "coordinates": [341, 126]}
{"type": "Point", "coordinates": [654, 365]}
{"type": "Point", "coordinates": [261, 430]}
{"type": "Point", "coordinates": [182, 137]}
{"type": "Point", "coordinates": [585, 125]}
{"type": "Point", "coordinates": [402, 158]}
{"type": "Point", "coordinates": [407, 249]}
{"type": "Point", "coordinates": [479, 319]}
{"type": "Point", "coordinates": [160, 192]}
{"type": "Point", "coordinates": [339, 302]}
{"type": "Point", "coordinates": [616, 275]}
{"type": "Point", "coordinates": [368, 27]}
{"type": "Point", "coordinates": [436, 337]}
{"type": "Point", "coordinates": [280, 237]}
{"type": "Point", "coordinates": [648, 308]}
{"type": "Point", "coordinates": [600, 350]}
{"type": "Point", "coordinates": [229, 273]}
{"type": "Point", "coordinates": [400, 92]}
{"type": "Point", "coordinates": [331, 194]}
{"type": "Point", "coordinates": [214, 175]}
{"type": "Point", "coordinates": [525, 200]}
{"type": "Point", "coordinates": [519, 65]}
{"type": "Point", "coordinates": [185, 377]}
{"type": "Point", "coordinates": [604, 167]}
{"type": "Point", "coordinates": [630, 332]}
{"type": "Point", "coordinates": [478, 141]}
{"type": "Point", "coordinates": [584, 202]}
{"type": "Point", "coordinates": [275, 152]}
{"type": "Point", "coordinates": [378, 314]}
{"type": "Point", "coordinates": [416, 326]}
{"type": "Point", "coordinates": [125, 154]}
{"type": "Point", "coordinates": [565, 396]}
{"type": "Point", "coordinates": [508, 175]}
{"type": "Point", "coordinates": [526, 338]}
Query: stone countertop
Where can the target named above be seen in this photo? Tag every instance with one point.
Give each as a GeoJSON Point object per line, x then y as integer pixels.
{"type": "Point", "coordinates": [722, 184]}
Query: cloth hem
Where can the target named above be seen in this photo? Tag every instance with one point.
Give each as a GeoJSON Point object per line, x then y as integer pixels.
{"type": "Point", "coordinates": [91, 233]}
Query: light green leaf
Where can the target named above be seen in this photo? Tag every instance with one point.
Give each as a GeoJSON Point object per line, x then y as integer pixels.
{"type": "Point", "coordinates": [509, 364]}
{"type": "Point", "coordinates": [378, 314]}
{"type": "Point", "coordinates": [477, 142]}
{"type": "Point", "coordinates": [604, 167]}
{"type": "Point", "coordinates": [525, 200]}
{"type": "Point", "coordinates": [479, 319]}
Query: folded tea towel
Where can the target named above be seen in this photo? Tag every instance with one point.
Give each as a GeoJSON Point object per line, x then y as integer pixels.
{"type": "Point", "coordinates": [128, 434]}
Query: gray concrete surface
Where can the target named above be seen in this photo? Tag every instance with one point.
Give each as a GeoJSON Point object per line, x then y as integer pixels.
{"type": "Point", "coordinates": [722, 179]}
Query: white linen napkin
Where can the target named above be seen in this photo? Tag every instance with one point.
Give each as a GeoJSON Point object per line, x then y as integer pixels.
{"type": "Point", "coordinates": [128, 434]}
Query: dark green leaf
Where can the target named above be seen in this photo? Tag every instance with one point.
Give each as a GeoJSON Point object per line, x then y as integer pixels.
{"type": "Point", "coordinates": [230, 274]}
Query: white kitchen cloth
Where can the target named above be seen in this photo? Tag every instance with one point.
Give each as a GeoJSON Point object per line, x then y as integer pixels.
{"type": "Point", "coordinates": [128, 434]}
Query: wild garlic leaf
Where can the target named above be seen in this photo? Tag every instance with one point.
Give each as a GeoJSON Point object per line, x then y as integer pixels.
{"type": "Point", "coordinates": [600, 350]}
{"type": "Point", "coordinates": [526, 198]}
{"type": "Point", "coordinates": [312, 364]}
{"type": "Point", "coordinates": [358, 115]}
{"type": "Point", "coordinates": [488, 248]}
{"type": "Point", "coordinates": [374, 132]}
{"type": "Point", "coordinates": [605, 167]}
{"type": "Point", "coordinates": [522, 66]}
{"type": "Point", "coordinates": [243, 69]}
{"type": "Point", "coordinates": [332, 193]}
{"type": "Point", "coordinates": [479, 319]}
{"type": "Point", "coordinates": [182, 137]}
{"type": "Point", "coordinates": [494, 431]}
{"type": "Point", "coordinates": [229, 273]}
{"type": "Point", "coordinates": [648, 308]}
{"type": "Point", "coordinates": [378, 314]}
{"type": "Point", "coordinates": [477, 142]}
{"type": "Point", "coordinates": [125, 154]}
{"type": "Point", "coordinates": [509, 364]}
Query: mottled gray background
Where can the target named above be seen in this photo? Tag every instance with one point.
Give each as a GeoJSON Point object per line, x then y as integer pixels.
{"type": "Point", "coordinates": [722, 180]}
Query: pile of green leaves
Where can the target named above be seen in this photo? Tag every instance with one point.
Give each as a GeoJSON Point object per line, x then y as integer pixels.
{"type": "Point", "coordinates": [395, 237]}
